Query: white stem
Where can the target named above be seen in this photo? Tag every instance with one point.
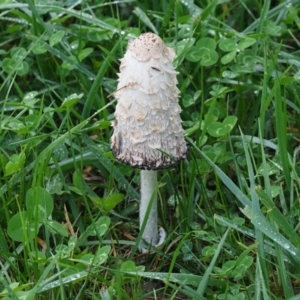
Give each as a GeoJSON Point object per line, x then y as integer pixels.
{"type": "Point", "coordinates": [148, 192]}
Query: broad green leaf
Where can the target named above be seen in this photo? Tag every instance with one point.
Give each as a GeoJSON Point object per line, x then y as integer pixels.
{"type": "Point", "coordinates": [193, 54]}
{"type": "Point", "coordinates": [128, 266]}
{"type": "Point", "coordinates": [99, 228]}
{"type": "Point", "coordinates": [188, 100]}
{"type": "Point", "coordinates": [39, 47]}
{"type": "Point", "coordinates": [229, 74]}
{"type": "Point", "coordinates": [84, 53]}
{"type": "Point", "coordinates": [60, 153]}
{"type": "Point", "coordinates": [97, 35]}
{"type": "Point", "coordinates": [184, 46]}
{"type": "Point", "coordinates": [39, 203]}
{"type": "Point", "coordinates": [9, 65]}
{"type": "Point", "coordinates": [228, 45]}
{"type": "Point", "coordinates": [13, 286]}
{"type": "Point", "coordinates": [32, 119]}
{"type": "Point", "coordinates": [102, 255]}
{"type": "Point", "coordinates": [87, 259]}
{"type": "Point", "coordinates": [275, 189]}
{"type": "Point", "coordinates": [16, 63]}
{"type": "Point", "coordinates": [269, 169]}
{"type": "Point", "coordinates": [77, 44]}
{"type": "Point", "coordinates": [217, 91]}
{"type": "Point", "coordinates": [70, 64]}
{"type": "Point", "coordinates": [17, 126]}
{"type": "Point", "coordinates": [204, 50]}
{"type": "Point", "coordinates": [15, 164]}
{"type": "Point", "coordinates": [26, 295]}
{"type": "Point", "coordinates": [20, 228]}
{"type": "Point", "coordinates": [237, 269]}
{"type": "Point", "coordinates": [215, 152]}
{"type": "Point", "coordinates": [71, 100]}
{"type": "Point", "coordinates": [56, 228]}
{"type": "Point", "coordinates": [230, 122]}
{"type": "Point", "coordinates": [209, 251]}
{"type": "Point", "coordinates": [246, 43]}
{"type": "Point", "coordinates": [209, 58]}
{"type": "Point", "coordinates": [206, 43]}
{"type": "Point", "coordinates": [23, 68]}
{"type": "Point", "coordinates": [101, 125]}
{"type": "Point", "coordinates": [63, 251]}
{"type": "Point", "coordinates": [18, 54]}
{"type": "Point", "coordinates": [72, 242]}
{"type": "Point", "coordinates": [217, 129]}
{"type": "Point", "coordinates": [55, 185]}
{"type": "Point", "coordinates": [110, 202]}
{"type": "Point", "coordinates": [56, 37]}
{"type": "Point", "coordinates": [38, 255]}
{"type": "Point", "coordinates": [30, 98]}
{"type": "Point", "coordinates": [247, 58]}
{"type": "Point", "coordinates": [227, 58]}
{"type": "Point", "coordinates": [199, 166]}
{"type": "Point", "coordinates": [271, 28]}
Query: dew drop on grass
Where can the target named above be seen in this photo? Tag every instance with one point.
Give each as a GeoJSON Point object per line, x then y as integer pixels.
{"type": "Point", "coordinates": [30, 95]}
{"type": "Point", "coordinates": [286, 246]}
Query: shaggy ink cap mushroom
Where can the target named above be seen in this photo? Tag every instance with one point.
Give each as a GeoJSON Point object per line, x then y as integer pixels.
{"type": "Point", "coordinates": [147, 127]}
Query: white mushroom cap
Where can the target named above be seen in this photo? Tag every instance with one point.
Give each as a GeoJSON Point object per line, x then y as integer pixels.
{"type": "Point", "coordinates": [147, 129]}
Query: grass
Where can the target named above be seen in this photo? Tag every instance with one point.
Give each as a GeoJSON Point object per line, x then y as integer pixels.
{"type": "Point", "coordinates": [69, 210]}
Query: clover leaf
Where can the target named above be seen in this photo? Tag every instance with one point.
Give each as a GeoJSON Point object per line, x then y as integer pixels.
{"type": "Point", "coordinates": [233, 47]}
{"type": "Point", "coordinates": [204, 52]}
{"type": "Point", "coordinates": [218, 129]}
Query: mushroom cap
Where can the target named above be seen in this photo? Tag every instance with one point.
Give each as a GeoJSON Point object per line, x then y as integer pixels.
{"type": "Point", "coordinates": [147, 127]}
{"type": "Point", "coordinates": [149, 45]}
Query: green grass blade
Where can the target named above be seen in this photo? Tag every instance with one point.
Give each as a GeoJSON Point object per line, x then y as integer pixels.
{"type": "Point", "coordinates": [118, 176]}
{"type": "Point", "coordinates": [97, 82]}
{"type": "Point", "coordinates": [203, 284]}
{"type": "Point", "coordinates": [264, 226]}
{"type": "Point", "coordinates": [278, 217]}
{"type": "Point", "coordinates": [241, 197]}
{"type": "Point", "coordinates": [281, 124]}
{"type": "Point", "coordinates": [144, 19]}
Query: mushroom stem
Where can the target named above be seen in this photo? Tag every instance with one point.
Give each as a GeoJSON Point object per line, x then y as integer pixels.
{"type": "Point", "coordinates": [149, 197]}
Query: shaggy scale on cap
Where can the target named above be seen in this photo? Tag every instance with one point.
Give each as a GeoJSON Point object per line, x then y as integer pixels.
{"type": "Point", "coordinates": [147, 127]}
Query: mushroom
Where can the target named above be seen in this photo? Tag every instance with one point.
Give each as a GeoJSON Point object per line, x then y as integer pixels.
{"type": "Point", "coordinates": [147, 129]}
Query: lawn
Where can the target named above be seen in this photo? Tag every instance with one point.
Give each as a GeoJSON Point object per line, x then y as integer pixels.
{"type": "Point", "coordinates": [69, 210]}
